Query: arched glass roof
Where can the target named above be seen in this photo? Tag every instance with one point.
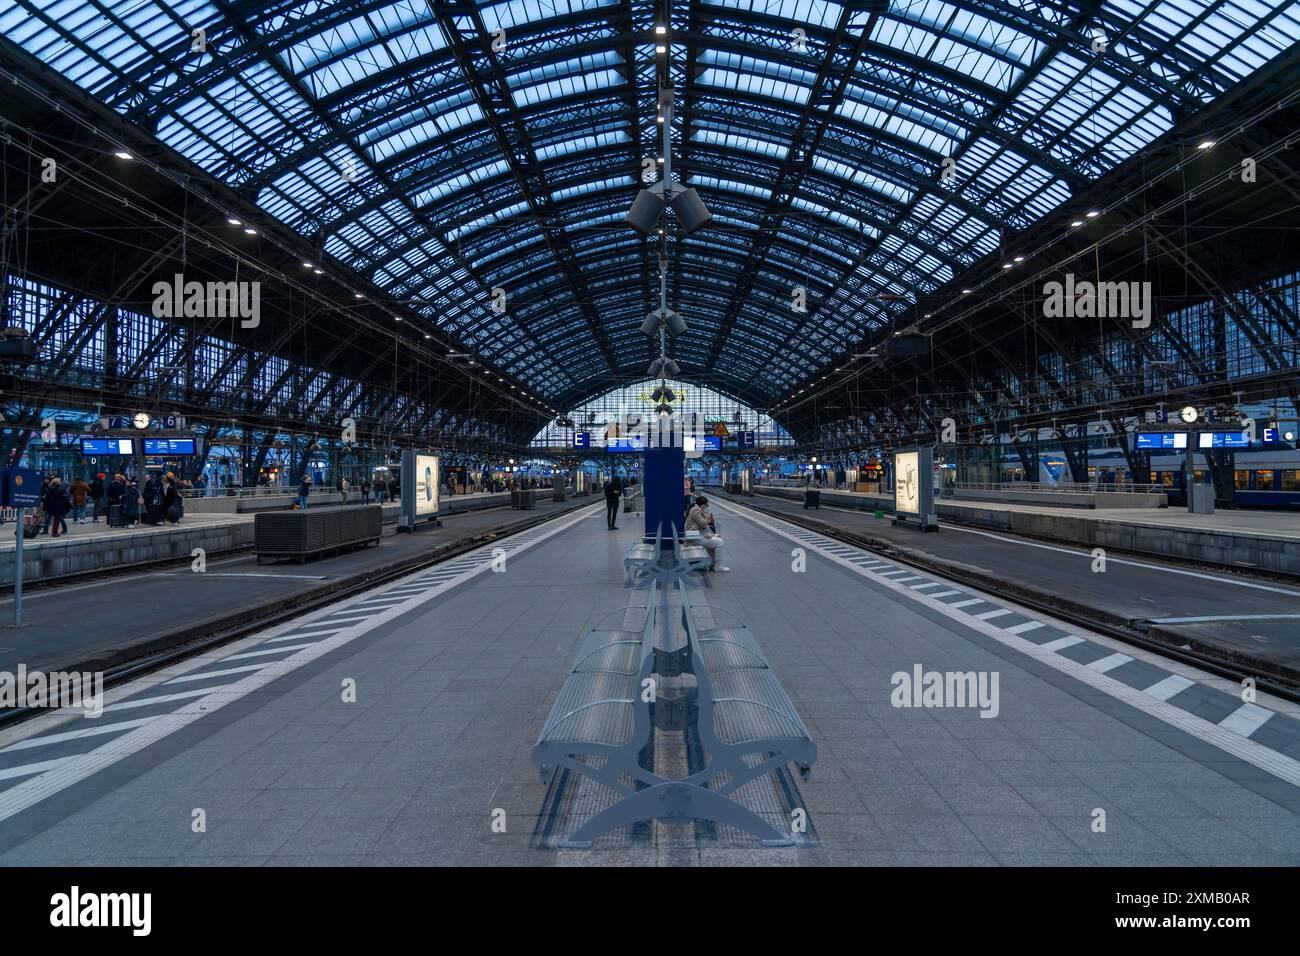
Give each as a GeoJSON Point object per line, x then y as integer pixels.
{"type": "Point", "coordinates": [616, 405]}
{"type": "Point", "coordinates": [444, 151]}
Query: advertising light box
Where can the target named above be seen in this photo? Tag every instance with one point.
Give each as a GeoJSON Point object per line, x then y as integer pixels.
{"type": "Point", "coordinates": [427, 485]}
{"type": "Point", "coordinates": [907, 483]}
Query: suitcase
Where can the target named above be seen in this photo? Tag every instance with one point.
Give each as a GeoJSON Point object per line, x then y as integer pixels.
{"type": "Point", "coordinates": [31, 525]}
{"type": "Point", "coordinates": [116, 516]}
{"type": "Point", "coordinates": [174, 514]}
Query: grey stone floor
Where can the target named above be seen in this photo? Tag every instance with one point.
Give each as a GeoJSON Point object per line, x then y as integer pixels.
{"type": "Point", "coordinates": [451, 696]}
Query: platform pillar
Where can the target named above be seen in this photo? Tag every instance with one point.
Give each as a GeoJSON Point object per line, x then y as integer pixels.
{"type": "Point", "coordinates": [662, 481]}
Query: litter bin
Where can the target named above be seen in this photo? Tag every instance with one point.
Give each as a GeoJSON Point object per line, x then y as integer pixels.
{"type": "Point", "coordinates": [1202, 498]}
{"type": "Point", "coordinates": [812, 498]}
{"type": "Point", "coordinates": [523, 499]}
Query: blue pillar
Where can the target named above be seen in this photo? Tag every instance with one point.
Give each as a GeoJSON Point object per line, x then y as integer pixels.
{"type": "Point", "coordinates": [662, 481]}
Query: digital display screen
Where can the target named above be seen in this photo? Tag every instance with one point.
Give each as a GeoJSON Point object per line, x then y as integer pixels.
{"type": "Point", "coordinates": [710, 443]}
{"type": "Point", "coordinates": [582, 439]}
{"type": "Point", "coordinates": [169, 446]}
{"type": "Point", "coordinates": [108, 446]}
{"type": "Point", "coordinates": [633, 443]}
{"type": "Point", "coordinates": [427, 484]}
{"type": "Point", "coordinates": [1223, 440]}
{"type": "Point", "coordinates": [1157, 440]}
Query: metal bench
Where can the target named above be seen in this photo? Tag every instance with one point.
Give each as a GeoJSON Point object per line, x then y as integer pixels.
{"type": "Point", "coordinates": [603, 720]}
{"type": "Point", "coordinates": [599, 723]}
{"type": "Point", "coordinates": [643, 555]}
{"type": "Point", "coordinates": [746, 721]}
{"type": "Point", "coordinates": [689, 556]}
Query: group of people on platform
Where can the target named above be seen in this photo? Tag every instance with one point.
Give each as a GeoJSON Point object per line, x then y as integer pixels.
{"type": "Point", "coordinates": [119, 500]}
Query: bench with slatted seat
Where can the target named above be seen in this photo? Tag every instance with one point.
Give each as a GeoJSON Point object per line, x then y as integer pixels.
{"type": "Point", "coordinates": [599, 723]}
{"type": "Point", "coordinates": [602, 720]}
{"type": "Point", "coordinates": [690, 555]}
{"type": "Point", "coordinates": [643, 555]}
{"type": "Point", "coordinates": [747, 724]}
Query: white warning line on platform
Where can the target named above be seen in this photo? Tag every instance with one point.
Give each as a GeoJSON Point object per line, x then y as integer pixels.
{"type": "Point", "coordinates": [57, 775]}
{"type": "Point", "coordinates": [1216, 735]}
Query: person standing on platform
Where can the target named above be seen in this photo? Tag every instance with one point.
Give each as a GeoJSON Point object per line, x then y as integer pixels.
{"type": "Point", "coordinates": [55, 504]}
{"type": "Point", "coordinates": [365, 490]}
{"type": "Point", "coordinates": [304, 489]}
{"type": "Point", "coordinates": [171, 498]}
{"type": "Point", "coordinates": [345, 487]}
{"type": "Point", "coordinates": [131, 502]}
{"type": "Point", "coordinates": [613, 495]}
{"type": "Point", "coordinates": [97, 493]}
{"type": "Point", "coordinates": [688, 492]}
{"type": "Point", "coordinates": [80, 491]}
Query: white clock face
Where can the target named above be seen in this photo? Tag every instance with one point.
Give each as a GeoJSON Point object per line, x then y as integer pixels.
{"type": "Point", "coordinates": [1187, 414]}
{"type": "Point", "coordinates": [141, 420]}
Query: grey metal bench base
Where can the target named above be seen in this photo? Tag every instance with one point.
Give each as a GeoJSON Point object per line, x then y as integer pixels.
{"type": "Point", "coordinates": [760, 729]}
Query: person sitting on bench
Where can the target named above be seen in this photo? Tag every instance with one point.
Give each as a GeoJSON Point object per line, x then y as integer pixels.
{"type": "Point", "coordinates": [700, 519]}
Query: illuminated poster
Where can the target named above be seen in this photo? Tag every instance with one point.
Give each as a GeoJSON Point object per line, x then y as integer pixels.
{"type": "Point", "coordinates": [426, 485]}
{"type": "Point", "coordinates": [907, 483]}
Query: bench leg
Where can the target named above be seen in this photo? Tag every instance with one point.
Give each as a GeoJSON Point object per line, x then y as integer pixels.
{"type": "Point", "coordinates": [676, 801]}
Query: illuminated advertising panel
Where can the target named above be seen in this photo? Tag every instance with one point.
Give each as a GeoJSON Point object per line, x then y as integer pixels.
{"type": "Point", "coordinates": [907, 483]}
{"type": "Point", "coordinates": [427, 485]}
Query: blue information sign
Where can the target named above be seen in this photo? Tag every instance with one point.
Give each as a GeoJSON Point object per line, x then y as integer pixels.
{"type": "Point", "coordinates": [1160, 440]}
{"type": "Point", "coordinates": [169, 446]}
{"type": "Point", "coordinates": [23, 487]}
{"type": "Point", "coordinates": [582, 439]}
{"type": "Point", "coordinates": [108, 446]}
{"type": "Point", "coordinates": [1223, 440]}
{"type": "Point", "coordinates": [630, 443]}
{"type": "Point", "coordinates": [710, 443]}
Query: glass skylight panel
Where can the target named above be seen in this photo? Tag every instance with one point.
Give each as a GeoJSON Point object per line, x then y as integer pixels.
{"type": "Point", "coordinates": [579, 144]}
{"type": "Point", "coordinates": [607, 185]}
{"type": "Point", "coordinates": [734, 143]}
{"type": "Point", "coordinates": [568, 86]}
{"type": "Point", "coordinates": [867, 115]}
{"type": "Point", "coordinates": [574, 67]}
{"type": "Point", "coordinates": [751, 83]}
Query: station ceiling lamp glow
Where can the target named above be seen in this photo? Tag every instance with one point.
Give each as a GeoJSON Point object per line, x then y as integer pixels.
{"type": "Point", "coordinates": [1188, 414]}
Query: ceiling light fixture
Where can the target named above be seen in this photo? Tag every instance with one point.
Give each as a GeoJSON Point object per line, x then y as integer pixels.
{"type": "Point", "coordinates": [251, 231]}
{"type": "Point", "coordinates": [122, 155]}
